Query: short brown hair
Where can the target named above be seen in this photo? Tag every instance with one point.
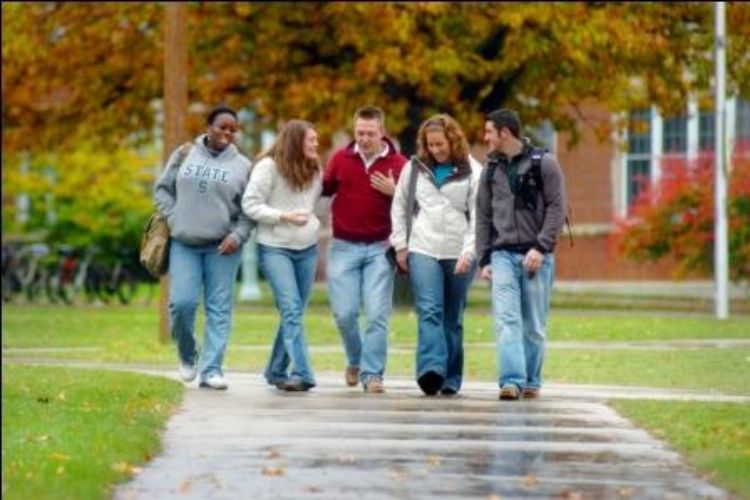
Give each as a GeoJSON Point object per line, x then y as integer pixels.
{"type": "Point", "coordinates": [370, 113]}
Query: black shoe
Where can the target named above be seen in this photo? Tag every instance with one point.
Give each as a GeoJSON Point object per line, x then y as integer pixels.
{"type": "Point", "coordinates": [279, 383]}
{"type": "Point", "coordinates": [448, 391]}
{"type": "Point", "coordinates": [430, 383]}
{"type": "Point", "coordinates": [295, 386]}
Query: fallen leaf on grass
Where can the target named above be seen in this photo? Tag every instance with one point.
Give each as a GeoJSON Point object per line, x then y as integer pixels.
{"type": "Point", "coordinates": [59, 456]}
{"type": "Point", "coordinates": [126, 468]}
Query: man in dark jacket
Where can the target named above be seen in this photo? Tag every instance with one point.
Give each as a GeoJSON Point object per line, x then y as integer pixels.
{"type": "Point", "coordinates": [361, 178]}
{"type": "Point", "coordinates": [520, 212]}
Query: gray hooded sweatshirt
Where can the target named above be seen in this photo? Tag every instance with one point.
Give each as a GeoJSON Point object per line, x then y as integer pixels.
{"type": "Point", "coordinates": [201, 199]}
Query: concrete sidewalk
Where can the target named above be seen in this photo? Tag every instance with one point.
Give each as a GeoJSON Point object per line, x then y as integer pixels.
{"type": "Point", "coordinates": [254, 441]}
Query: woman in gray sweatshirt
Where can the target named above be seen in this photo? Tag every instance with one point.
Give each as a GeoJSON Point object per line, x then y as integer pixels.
{"type": "Point", "coordinates": [199, 194]}
{"type": "Point", "coordinates": [285, 184]}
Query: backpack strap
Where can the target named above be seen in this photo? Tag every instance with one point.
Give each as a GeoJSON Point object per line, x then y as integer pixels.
{"type": "Point", "coordinates": [536, 170]}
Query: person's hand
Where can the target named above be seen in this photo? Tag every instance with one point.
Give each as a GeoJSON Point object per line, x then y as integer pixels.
{"type": "Point", "coordinates": [228, 245]}
{"type": "Point", "coordinates": [298, 217]}
{"type": "Point", "coordinates": [463, 264]}
{"type": "Point", "coordinates": [402, 259]}
{"type": "Point", "coordinates": [533, 261]}
{"type": "Point", "coordinates": [486, 273]}
{"type": "Point", "coordinates": [386, 185]}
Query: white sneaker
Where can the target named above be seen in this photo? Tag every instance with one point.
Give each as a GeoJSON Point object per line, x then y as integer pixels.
{"type": "Point", "coordinates": [188, 372]}
{"type": "Point", "coordinates": [214, 381]}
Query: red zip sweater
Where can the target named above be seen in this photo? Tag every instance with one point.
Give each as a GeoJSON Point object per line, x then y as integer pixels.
{"type": "Point", "coordinates": [359, 212]}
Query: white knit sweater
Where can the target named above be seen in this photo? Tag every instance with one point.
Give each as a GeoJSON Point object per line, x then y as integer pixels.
{"type": "Point", "coordinates": [268, 195]}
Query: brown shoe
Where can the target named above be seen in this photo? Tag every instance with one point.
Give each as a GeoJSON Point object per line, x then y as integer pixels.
{"type": "Point", "coordinates": [509, 392]}
{"type": "Point", "coordinates": [352, 375]}
{"type": "Point", "coordinates": [530, 392]}
{"type": "Point", "coordinates": [374, 385]}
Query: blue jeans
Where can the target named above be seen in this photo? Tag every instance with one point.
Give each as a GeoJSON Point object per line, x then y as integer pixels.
{"type": "Point", "coordinates": [439, 300]}
{"type": "Point", "coordinates": [193, 269]}
{"type": "Point", "coordinates": [291, 274]}
{"type": "Point", "coordinates": [520, 307]}
{"type": "Point", "coordinates": [360, 273]}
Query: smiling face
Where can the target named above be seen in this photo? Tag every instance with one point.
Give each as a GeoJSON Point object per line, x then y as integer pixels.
{"type": "Point", "coordinates": [497, 140]}
{"type": "Point", "coordinates": [221, 132]}
{"type": "Point", "coordinates": [310, 144]}
{"type": "Point", "coordinates": [438, 146]}
{"type": "Point", "coordinates": [368, 133]}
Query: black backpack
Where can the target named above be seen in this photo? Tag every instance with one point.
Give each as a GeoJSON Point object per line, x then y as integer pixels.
{"type": "Point", "coordinates": [529, 185]}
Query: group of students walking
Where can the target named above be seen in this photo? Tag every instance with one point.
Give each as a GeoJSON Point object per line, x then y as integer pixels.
{"type": "Point", "coordinates": [438, 216]}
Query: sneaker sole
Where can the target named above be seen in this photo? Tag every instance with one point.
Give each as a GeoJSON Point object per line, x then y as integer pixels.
{"type": "Point", "coordinates": [204, 385]}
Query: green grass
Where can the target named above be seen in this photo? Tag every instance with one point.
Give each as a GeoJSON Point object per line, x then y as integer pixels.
{"type": "Point", "coordinates": [71, 433]}
{"type": "Point", "coordinates": [714, 437]}
{"type": "Point", "coordinates": [128, 335]}
{"type": "Point", "coordinates": [62, 326]}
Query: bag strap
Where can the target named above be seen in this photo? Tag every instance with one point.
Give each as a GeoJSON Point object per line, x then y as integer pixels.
{"type": "Point", "coordinates": [182, 154]}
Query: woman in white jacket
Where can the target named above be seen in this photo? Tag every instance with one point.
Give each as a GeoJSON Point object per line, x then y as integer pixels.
{"type": "Point", "coordinates": [281, 194]}
{"type": "Point", "coordinates": [439, 253]}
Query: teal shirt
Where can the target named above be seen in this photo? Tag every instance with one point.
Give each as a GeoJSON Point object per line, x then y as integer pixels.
{"type": "Point", "coordinates": [442, 172]}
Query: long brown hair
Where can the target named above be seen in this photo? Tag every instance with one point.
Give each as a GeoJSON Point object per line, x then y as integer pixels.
{"type": "Point", "coordinates": [288, 154]}
{"type": "Point", "coordinates": [456, 139]}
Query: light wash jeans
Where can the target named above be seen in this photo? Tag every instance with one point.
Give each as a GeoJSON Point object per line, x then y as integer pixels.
{"type": "Point", "coordinates": [360, 273]}
{"type": "Point", "coordinates": [192, 270]}
{"type": "Point", "coordinates": [439, 301]}
{"type": "Point", "coordinates": [291, 274]}
{"type": "Point", "coordinates": [520, 307]}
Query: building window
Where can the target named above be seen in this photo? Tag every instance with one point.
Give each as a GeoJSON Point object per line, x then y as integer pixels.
{"type": "Point", "coordinates": [742, 127]}
{"type": "Point", "coordinates": [639, 153]}
{"type": "Point", "coordinates": [706, 131]}
{"type": "Point", "coordinates": [653, 139]}
{"type": "Point", "coordinates": [544, 136]}
{"type": "Point", "coordinates": [674, 137]}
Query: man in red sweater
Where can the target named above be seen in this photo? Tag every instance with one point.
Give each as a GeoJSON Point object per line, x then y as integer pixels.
{"type": "Point", "coordinates": [362, 178]}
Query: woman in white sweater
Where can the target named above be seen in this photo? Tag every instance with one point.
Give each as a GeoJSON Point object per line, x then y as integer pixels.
{"type": "Point", "coordinates": [439, 253]}
{"type": "Point", "coordinates": [284, 186]}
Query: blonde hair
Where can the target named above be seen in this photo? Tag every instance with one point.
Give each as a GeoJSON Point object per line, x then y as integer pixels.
{"type": "Point", "coordinates": [288, 153]}
{"type": "Point", "coordinates": [456, 139]}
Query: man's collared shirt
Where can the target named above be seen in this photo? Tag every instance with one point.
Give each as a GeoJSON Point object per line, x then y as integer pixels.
{"type": "Point", "coordinates": [368, 163]}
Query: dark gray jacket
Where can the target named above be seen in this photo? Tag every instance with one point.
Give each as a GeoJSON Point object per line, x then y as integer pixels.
{"type": "Point", "coordinates": [505, 221]}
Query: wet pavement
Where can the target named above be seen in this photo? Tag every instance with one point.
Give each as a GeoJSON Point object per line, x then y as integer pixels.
{"type": "Point", "coordinates": [254, 441]}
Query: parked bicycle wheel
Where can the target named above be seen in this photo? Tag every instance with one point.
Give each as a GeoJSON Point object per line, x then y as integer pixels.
{"type": "Point", "coordinates": [124, 285]}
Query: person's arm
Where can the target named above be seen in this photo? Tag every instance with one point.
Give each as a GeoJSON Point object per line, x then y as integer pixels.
{"type": "Point", "coordinates": [244, 225]}
{"type": "Point", "coordinates": [330, 177]}
{"type": "Point", "coordinates": [554, 203]}
{"type": "Point", "coordinates": [469, 246]}
{"type": "Point", "coordinates": [398, 210]}
{"type": "Point", "coordinates": [258, 190]}
{"type": "Point", "coordinates": [483, 221]}
{"type": "Point", "coordinates": [165, 188]}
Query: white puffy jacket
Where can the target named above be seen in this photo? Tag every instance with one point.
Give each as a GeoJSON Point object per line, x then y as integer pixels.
{"type": "Point", "coordinates": [444, 224]}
